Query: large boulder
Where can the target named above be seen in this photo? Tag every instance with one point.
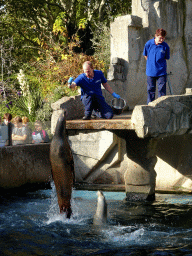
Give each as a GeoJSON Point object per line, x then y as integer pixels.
{"type": "Point", "coordinates": [168, 115]}
{"type": "Point", "coordinates": [73, 105]}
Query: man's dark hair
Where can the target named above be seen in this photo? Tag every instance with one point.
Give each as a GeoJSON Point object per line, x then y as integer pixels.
{"type": "Point", "coordinates": [7, 116]}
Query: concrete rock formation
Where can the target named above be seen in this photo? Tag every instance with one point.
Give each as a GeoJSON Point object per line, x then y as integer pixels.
{"type": "Point", "coordinates": [73, 106]}
{"type": "Point", "coordinates": [166, 116]}
{"type": "Point", "coordinates": [24, 165]}
{"type": "Point", "coordinates": [130, 33]}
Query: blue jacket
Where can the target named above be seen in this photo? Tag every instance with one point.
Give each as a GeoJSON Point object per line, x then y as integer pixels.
{"type": "Point", "coordinates": [156, 58]}
{"type": "Point", "coordinates": [91, 86]}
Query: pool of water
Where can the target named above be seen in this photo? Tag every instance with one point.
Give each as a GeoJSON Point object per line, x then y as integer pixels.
{"type": "Point", "coordinates": [31, 225]}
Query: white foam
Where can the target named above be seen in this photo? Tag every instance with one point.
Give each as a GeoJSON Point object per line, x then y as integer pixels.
{"type": "Point", "coordinates": [79, 216]}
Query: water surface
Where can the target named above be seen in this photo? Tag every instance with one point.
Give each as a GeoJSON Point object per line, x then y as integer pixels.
{"type": "Point", "coordinates": [31, 225]}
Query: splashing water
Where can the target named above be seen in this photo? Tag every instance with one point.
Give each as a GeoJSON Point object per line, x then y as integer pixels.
{"type": "Point", "coordinates": [32, 225]}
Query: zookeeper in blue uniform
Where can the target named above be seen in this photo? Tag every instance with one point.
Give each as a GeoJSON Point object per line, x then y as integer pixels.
{"type": "Point", "coordinates": [91, 94]}
{"type": "Point", "coordinates": [156, 52]}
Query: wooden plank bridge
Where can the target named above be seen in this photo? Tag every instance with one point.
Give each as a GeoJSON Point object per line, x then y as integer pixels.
{"type": "Point", "coordinates": [119, 122]}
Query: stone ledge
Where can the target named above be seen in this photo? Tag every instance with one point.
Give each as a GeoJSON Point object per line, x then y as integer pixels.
{"type": "Point", "coordinates": [130, 20]}
{"type": "Point", "coordinates": [103, 187]}
{"type": "Point", "coordinates": [166, 116]}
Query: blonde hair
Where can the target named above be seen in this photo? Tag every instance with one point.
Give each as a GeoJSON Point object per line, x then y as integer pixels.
{"type": "Point", "coordinates": [38, 123]}
{"type": "Point", "coordinates": [25, 120]}
{"type": "Point", "coordinates": [88, 63]}
{"type": "Point", "coordinates": [17, 119]}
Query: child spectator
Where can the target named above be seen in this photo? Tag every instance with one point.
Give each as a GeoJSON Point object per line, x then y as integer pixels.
{"type": "Point", "coordinates": [25, 122]}
{"type": "Point", "coordinates": [19, 133]}
{"type": "Point", "coordinates": [39, 135]}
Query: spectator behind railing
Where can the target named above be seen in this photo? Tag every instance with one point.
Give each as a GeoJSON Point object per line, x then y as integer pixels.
{"type": "Point", "coordinates": [25, 122]}
{"type": "Point", "coordinates": [39, 135]}
{"type": "Point", "coordinates": [19, 133]}
{"type": "Point", "coordinates": [7, 121]}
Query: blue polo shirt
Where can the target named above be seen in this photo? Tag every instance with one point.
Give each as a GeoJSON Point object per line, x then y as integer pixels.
{"type": "Point", "coordinates": [91, 86]}
{"type": "Point", "coordinates": [156, 58]}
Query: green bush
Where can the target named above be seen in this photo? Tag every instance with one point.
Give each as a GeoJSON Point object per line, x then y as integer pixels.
{"type": "Point", "coordinates": [43, 81]}
{"type": "Point", "coordinates": [44, 113]}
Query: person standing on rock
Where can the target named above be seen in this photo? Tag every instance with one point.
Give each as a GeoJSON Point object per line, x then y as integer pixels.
{"type": "Point", "coordinates": [91, 94]}
{"type": "Point", "coordinates": [156, 52]}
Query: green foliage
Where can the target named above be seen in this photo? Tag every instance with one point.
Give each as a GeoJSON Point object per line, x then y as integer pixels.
{"type": "Point", "coordinates": [44, 113]}
{"type": "Point", "coordinates": [82, 23]}
{"type": "Point", "coordinates": [119, 7]}
{"type": "Point", "coordinates": [40, 23]}
{"type": "Point", "coordinates": [28, 105]}
{"type": "Point", "coordinates": [53, 75]}
{"type": "Point", "coordinates": [58, 26]}
{"type": "Point", "coordinates": [3, 108]}
{"type": "Point", "coordinates": [45, 35]}
{"type": "Point", "coordinates": [101, 44]}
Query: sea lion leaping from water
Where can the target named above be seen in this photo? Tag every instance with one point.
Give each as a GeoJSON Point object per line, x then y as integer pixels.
{"type": "Point", "coordinates": [62, 165]}
{"type": "Point", "coordinates": [100, 216]}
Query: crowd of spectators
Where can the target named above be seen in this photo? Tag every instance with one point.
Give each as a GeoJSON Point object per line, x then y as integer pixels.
{"type": "Point", "coordinates": [19, 131]}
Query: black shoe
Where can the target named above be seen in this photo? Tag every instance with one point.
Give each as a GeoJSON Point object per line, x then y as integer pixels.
{"type": "Point", "coordinates": [86, 118]}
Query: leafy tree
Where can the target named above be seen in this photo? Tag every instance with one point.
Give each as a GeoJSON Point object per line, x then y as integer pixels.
{"type": "Point", "coordinates": [46, 36]}
{"type": "Point", "coordinates": [38, 23]}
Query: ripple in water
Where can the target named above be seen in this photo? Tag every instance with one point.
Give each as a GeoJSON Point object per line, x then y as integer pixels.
{"type": "Point", "coordinates": [32, 225]}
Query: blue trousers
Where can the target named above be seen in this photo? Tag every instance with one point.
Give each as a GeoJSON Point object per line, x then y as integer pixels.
{"type": "Point", "coordinates": [97, 105]}
{"type": "Point", "coordinates": [151, 87]}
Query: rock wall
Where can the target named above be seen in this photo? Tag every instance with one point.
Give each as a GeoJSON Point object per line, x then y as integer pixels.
{"type": "Point", "coordinates": [97, 156]}
{"type": "Point", "coordinates": [101, 159]}
{"type": "Point", "coordinates": [173, 168]}
{"type": "Point", "coordinates": [168, 122]}
{"type": "Point", "coordinates": [130, 33]}
{"type": "Point", "coordinates": [166, 116]}
{"type": "Point", "coordinates": [24, 164]}
{"type": "Point", "coordinates": [73, 106]}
